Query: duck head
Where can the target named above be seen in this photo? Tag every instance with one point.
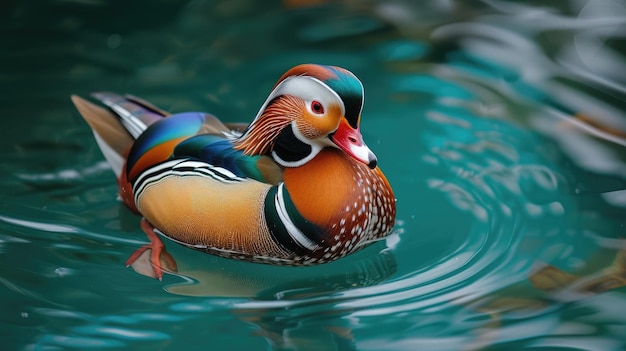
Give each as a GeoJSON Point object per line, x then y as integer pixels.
{"type": "Point", "coordinates": [311, 107]}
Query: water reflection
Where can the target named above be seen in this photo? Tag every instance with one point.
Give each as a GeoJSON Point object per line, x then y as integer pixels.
{"type": "Point", "coordinates": [223, 278]}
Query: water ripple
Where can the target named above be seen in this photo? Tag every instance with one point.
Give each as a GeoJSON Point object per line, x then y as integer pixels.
{"type": "Point", "coordinates": [500, 125]}
{"type": "Point", "coordinates": [66, 229]}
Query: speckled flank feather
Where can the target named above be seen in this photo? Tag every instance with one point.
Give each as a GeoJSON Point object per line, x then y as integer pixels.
{"type": "Point", "coordinates": [351, 202]}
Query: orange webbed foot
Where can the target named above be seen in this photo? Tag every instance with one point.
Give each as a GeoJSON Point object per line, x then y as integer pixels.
{"type": "Point", "coordinates": [152, 258]}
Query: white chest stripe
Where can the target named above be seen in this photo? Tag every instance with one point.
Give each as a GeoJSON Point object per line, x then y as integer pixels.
{"type": "Point", "coordinates": [293, 231]}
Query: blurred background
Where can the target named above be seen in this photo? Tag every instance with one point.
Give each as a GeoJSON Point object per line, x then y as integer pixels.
{"type": "Point", "coordinates": [501, 126]}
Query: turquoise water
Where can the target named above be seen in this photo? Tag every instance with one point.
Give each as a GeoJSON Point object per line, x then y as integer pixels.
{"type": "Point", "coordinates": [500, 125]}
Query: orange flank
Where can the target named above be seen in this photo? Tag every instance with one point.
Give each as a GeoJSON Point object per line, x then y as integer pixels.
{"type": "Point", "coordinates": [197, 211]}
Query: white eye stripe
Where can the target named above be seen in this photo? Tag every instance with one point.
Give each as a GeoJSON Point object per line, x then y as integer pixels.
{"type": "Point", "coordinates": [309, 89]}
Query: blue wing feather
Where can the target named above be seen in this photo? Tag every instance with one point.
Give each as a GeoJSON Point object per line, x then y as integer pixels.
{"type": "Point", "coordinates": [177, 126]}
{"type": "Point", "coordinates": [219, 151]}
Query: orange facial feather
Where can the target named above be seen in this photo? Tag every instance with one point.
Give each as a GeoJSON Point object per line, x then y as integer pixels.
{"type": "Point", "coordinates": [260, 136]}
{"type": "Point", "coordinates": [312, 126]}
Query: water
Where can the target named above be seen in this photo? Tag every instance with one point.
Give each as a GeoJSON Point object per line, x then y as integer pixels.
{"type": "Point", "coordinates": [500, 125]}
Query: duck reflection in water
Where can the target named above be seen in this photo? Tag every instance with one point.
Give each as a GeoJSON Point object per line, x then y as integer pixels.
{"type": "Point", "coordinates": [280, 298]}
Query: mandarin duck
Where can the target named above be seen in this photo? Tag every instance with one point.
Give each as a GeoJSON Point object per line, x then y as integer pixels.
{"type": "Point", "coordinates": [297, 186]}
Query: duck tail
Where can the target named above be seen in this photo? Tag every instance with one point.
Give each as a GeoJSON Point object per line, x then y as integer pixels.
{"type": "Point", "coordinates": [116, 128]}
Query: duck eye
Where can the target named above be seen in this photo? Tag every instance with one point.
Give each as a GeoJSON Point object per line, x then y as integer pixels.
{"type": "Point", "coordinates": [317, 107]}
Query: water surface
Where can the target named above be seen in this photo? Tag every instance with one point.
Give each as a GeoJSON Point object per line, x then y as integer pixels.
{"type": "Point", "coordinates": [500, 125]}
